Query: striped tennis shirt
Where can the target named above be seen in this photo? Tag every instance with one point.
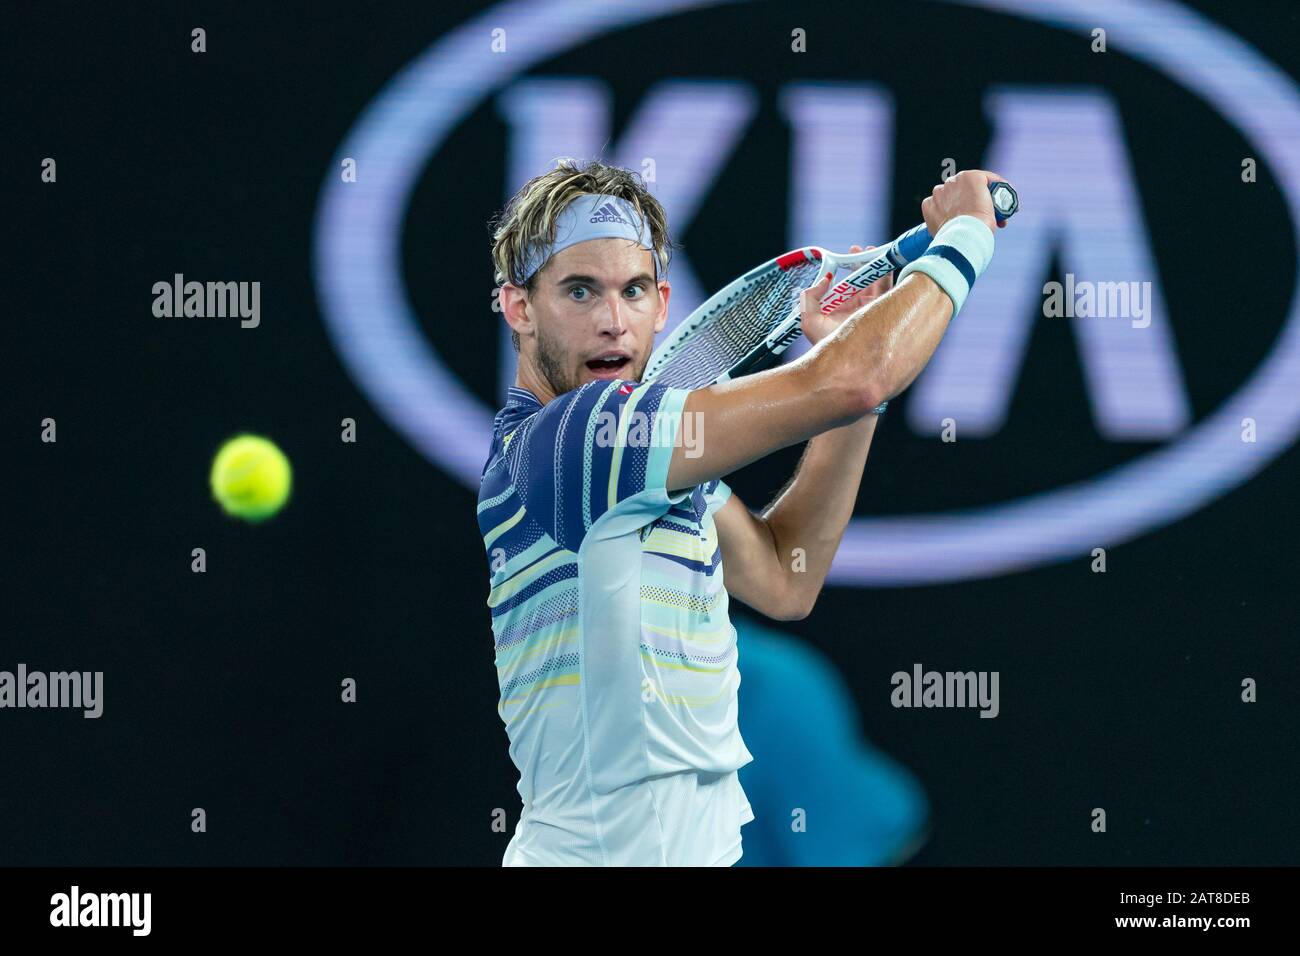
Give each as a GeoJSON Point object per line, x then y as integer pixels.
{"type": "Point", "coordinates": [615, 656]}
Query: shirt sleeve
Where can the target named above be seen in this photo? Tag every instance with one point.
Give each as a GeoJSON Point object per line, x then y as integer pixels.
{"type": "Point", "coordinates": [717, 494]}
{"type": "Point", "coordinates": [601, 451]}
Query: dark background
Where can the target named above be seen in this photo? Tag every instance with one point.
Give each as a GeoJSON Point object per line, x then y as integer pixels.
{"type": "Point", "coordinates": [222, 689]}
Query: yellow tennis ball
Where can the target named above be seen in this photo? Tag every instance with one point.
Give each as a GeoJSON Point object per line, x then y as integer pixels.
{"type": "Point", "coordinates": [251, 478]}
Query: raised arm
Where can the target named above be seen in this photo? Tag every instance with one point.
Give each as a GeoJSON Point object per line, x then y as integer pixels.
{"type": "Point", "coordinates": [873, 355]}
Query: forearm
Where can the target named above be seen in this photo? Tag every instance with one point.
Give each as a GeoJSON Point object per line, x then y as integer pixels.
{"type": "Point", "coordinates": [807, 520]}
{"type": "Point", "coordinates": [887, 343]}
{"type": "Point", "coordinates": [871, 357]}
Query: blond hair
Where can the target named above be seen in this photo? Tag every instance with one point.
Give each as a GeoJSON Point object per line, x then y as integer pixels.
{"type": "Point", "coordinates": [528, 221]}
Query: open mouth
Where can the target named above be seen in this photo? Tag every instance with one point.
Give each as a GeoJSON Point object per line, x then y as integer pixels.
{"type": "Point", "coordinates": [609, 366]}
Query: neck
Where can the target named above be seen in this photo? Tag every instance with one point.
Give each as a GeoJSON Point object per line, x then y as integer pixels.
{"type": "Point", "coordinates": [528, 377]}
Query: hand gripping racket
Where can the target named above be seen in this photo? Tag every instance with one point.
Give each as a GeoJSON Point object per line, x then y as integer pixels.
{"type": "Point", "coordinates": [746, 326]}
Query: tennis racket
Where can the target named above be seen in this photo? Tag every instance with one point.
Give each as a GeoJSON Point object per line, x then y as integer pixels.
{"type": "Point", "coordinates": [747, 325]}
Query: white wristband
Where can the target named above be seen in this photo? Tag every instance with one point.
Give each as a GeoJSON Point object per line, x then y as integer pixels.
{"type": "Point", "coordinates": [957, 256]}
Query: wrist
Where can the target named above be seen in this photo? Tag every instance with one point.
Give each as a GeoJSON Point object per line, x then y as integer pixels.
{"type": "Point", "coordinates": [959, 253]}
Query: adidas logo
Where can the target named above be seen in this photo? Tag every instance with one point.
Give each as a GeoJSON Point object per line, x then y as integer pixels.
{"type": "Point", "coordinates": [607, 213]}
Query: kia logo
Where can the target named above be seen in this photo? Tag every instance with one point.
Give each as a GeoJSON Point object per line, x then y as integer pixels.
{"type": "Point", "coordinates": [357, 265]}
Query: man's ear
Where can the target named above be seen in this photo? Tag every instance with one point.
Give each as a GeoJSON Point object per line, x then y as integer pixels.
{"type": "Point", "coordinates": [665, 291]}
{"type": "Point", "coordinates": [514, 306]}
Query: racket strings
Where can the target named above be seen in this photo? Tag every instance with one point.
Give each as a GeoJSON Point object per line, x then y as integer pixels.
{"type": "Point", "coordinates": [728, 332]}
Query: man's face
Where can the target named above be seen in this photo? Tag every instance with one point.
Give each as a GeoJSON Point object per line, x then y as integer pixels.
{"type": "Point", "coordinates": [595, 310]}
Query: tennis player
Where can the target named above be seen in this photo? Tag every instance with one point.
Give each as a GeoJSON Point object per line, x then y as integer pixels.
{"type": "Point", "coordinates": [607, 523]}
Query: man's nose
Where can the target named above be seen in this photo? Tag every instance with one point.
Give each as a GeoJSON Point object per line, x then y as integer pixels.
{"type": "Point", "coordinates": [613, 317]}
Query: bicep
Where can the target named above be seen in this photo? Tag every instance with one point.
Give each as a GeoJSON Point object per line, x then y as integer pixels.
{"type": "Point", "coordinates": [739, 421]}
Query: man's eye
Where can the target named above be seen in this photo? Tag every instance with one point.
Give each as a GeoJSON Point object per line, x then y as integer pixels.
{"type": "Point", "coordinates": [579, 292]}
{"type": "Point", "coordinates": [634, 290]}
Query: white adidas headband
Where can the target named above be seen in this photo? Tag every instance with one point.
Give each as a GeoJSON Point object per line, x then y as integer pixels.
{"type": "Point", "coordinates": [592, 216]}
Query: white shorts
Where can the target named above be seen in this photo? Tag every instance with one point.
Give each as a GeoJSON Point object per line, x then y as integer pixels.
{"type": "Point", "coordinates": [681, 819]}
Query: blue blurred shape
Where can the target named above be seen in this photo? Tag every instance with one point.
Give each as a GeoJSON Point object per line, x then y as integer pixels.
{"type": "Point", "coordinates": [800, 723]}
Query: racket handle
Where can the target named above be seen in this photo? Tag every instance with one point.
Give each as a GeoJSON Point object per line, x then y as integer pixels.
{"type": "Point", "coordinates": [1005, 200]}
{"type": "Point", "coordinates": [911, 245]}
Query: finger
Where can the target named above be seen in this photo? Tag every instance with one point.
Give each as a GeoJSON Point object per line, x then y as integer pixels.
{"type": "Point", "coordinates": [819, 287]}
{"type": "Point", "coordinates": [874, 291]}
